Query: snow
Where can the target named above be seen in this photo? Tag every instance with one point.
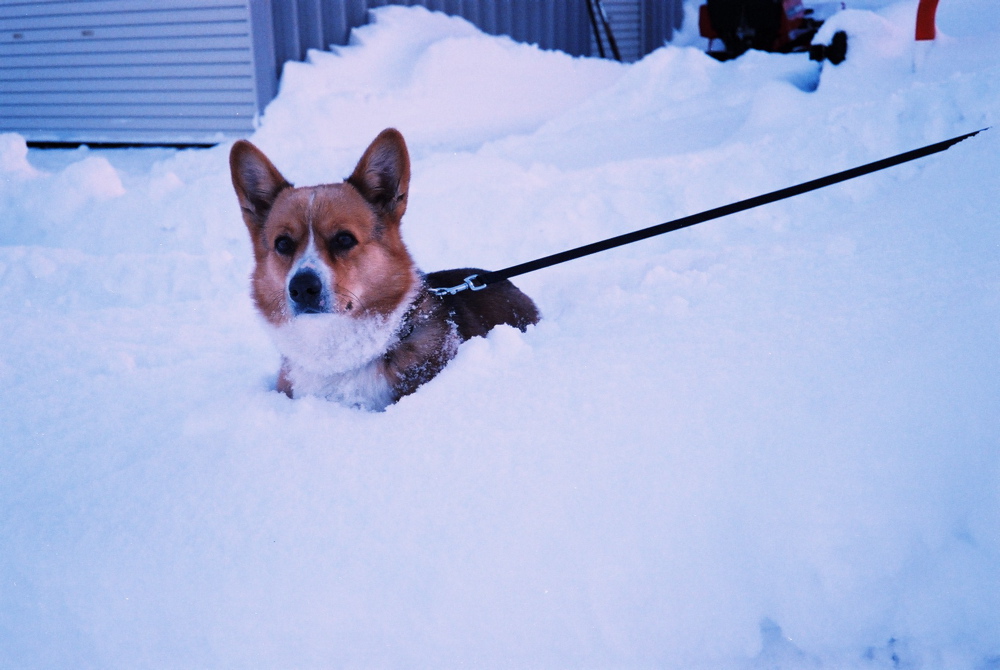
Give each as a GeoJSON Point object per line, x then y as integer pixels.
{"type": "Point", "coordinates": [768, 441]}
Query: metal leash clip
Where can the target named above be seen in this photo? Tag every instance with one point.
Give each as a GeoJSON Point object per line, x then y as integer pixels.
{"type": "Point", "coordinates": [452, 290]}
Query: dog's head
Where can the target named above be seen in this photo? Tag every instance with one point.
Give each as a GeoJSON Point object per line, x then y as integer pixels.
{"type": "Point", "coordinates": [331, 249]}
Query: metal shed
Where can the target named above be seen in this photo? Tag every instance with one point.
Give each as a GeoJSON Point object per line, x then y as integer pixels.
{"type": "Point", "coordinates": [133, 71]}
{"type": "Point", "coordinates": [199, 71]}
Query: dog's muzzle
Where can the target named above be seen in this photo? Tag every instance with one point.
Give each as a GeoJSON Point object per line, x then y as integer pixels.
{"type": "Point", "coordinates": [306, 293]}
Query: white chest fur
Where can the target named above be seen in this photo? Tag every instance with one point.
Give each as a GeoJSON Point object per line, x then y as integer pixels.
{"type": "Point", "coordinates": [338, 356]}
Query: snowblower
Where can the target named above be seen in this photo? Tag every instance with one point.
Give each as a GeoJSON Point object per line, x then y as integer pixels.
{"type": "Point", "coordinates": [782, 26]}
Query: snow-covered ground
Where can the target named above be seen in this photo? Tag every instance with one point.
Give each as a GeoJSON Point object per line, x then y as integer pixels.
{"type": "Point", "coordinates": [769, 441]}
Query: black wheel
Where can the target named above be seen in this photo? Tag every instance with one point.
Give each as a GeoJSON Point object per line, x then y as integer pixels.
{"type": "Point", "coordinates": [837, 51]}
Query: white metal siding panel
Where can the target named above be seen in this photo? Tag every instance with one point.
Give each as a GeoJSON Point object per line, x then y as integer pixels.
{"type": "Point", "coordinates": [132, 71]}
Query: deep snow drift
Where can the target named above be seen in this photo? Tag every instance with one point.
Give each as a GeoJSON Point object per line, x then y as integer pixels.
{"type": "Point", "coordinates": [770, 441]}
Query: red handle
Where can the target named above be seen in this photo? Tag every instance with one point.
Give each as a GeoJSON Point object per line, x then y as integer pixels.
{"type": "Point", "coordinates": [925, 19]}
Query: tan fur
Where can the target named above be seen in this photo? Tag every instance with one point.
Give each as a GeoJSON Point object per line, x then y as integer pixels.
{"type": "Point", "coordinates": [321, 294]}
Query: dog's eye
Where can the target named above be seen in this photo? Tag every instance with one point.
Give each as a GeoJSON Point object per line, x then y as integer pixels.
{"type": "Point", "coordinates": [284, 245]}
{"type": "Point", "coordinates": [342, 241]}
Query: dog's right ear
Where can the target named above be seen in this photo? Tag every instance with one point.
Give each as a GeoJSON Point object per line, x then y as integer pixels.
{"type": "Point", "coordinates": [257, 182]}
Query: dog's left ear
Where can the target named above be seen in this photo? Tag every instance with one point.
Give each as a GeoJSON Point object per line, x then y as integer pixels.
{"type": "Point", "coordinates": [383, 175]}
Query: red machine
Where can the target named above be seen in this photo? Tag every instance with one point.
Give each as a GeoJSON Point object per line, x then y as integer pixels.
{"type": "Point", "coordinates": [782, 26]}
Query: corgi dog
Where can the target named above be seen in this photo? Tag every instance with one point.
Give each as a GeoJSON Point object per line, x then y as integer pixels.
{"type": "Point", "coordinates": [351, 315]}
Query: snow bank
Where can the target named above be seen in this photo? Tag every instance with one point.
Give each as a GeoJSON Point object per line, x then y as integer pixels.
{"type": "Point", "coordinates": [765, 442]}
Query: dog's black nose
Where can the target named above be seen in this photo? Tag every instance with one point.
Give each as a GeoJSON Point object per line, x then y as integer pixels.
{"type": "Point", "coordinates": [306, 292]}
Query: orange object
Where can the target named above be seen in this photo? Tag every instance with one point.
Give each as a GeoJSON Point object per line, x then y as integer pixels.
{"type": "Point", "coordinates": [926, 29]}
{"type": "Point", "coordinates": [705, 26]}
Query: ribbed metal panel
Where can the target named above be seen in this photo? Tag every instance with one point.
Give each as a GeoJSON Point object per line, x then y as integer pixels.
{"type": "Point", "coordinates": [660, 18]}
{"type": "Point", "coordinates": [300, 25]}
{"type": "Point", "coordinates": [626, 24]}
{"type": "Point", "coordinates": [317, 24]}
{"type": "Point", "coordinates": [641, 26]}
{"type": "Point", "coordinates": [127, 70]}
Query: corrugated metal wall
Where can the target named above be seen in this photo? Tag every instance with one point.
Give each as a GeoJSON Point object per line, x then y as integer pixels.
{"type": "Point", "coordinates": [641, 26]}
{"type": "Point", "coordinates": [660, 18]}
{"type": "Point", "coordinates": [300, 25]}
{"type": "Point", "coordinates": [551, 24]}
{"type": "Point", "coordinates": [148, 71]}
{"type": "Point", "coordinates": [625, 17]}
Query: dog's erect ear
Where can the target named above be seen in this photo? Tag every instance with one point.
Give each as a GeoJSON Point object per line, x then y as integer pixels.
{"type": "Point", "coordinates": [383, 175]}
{"type": "Point", "coordinates": [256, 180]}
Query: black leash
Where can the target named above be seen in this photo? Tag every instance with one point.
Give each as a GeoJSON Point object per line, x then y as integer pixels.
{"type": "Point", "coordinates": [478, 282]}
